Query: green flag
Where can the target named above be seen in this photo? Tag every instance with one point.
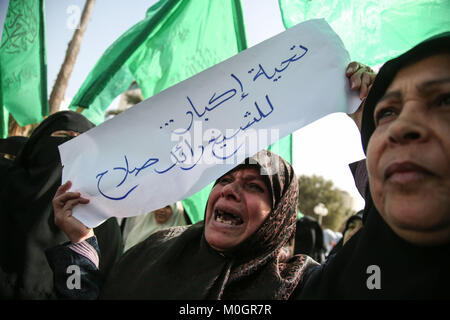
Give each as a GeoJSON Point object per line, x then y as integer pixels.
{"type": "Point", "coordinates": [377, 30]}
{"type": "Point", "coordinates": [23, 69]}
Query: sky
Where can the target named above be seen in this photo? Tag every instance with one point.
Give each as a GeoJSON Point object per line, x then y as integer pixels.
{"type": "Point", "coordinates": [324, 148]}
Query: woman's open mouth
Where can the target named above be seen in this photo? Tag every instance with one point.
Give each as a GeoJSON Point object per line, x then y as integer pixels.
{"type": "Point", "coordinates": [227, 218]}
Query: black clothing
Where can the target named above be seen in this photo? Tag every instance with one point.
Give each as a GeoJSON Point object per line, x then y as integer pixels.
{"type": "Point", "coordinates": [27, 225]}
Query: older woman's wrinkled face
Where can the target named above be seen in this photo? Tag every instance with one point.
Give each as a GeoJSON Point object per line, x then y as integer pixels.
{"type": "Point", "coordinates": [408, 155]}
{"type": "Point", "coordinates": [237, 206]}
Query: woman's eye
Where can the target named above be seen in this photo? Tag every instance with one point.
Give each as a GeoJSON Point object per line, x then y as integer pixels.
{"type": "Point", "coordinates": [444, 100]}
{"type": "Point", "coordinates": [225, 180]}
{"type": "Point", "coordinates": [256, 187]}
{"type": "Point", "coordinates": [383, 114]}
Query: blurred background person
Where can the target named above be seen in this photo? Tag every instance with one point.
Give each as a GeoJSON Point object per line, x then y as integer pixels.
{"type": "Point", "coordinates": [309, 239]}
{"type": "Point", "coordinates": [352, 225]}
{"type": "Point", "coordinates": [331, 239]}
{"type": "Point", "coordinates": [137, 229]}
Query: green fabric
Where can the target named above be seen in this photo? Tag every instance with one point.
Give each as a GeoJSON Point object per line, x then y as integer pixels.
{"type": "Point", "coordinates": [111, 75]}
{"type": "Point", "coordinates": [4, 120]}
{"type": "Point", "coordinates": [23, 75]}
{"type": "Point", "coordinates": [4, 117]}
{"type": "Point", "coordinates": [283, 148]}
{"type": "Point", "coordinates": [195, 205]}
{"type": "Point", "coordinates": [197, 36]}
{"type": "Point", "coordinates": [117, 84]}
{"type": "Point", "coordinates": [377, 30]}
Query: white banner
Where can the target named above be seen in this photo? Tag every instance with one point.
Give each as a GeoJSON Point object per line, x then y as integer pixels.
{"type": "Point", "coordinates": [172, 145]}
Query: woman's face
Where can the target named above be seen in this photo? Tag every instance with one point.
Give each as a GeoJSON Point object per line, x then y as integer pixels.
{"type": "Point", "coordinates": [163, 215]}
{"type": "Point", "coordinates": [408, 155]}
{"type": "Point", "coordinates": [353, 227]}
{"type": "Point", "coordinates": [237, 206]}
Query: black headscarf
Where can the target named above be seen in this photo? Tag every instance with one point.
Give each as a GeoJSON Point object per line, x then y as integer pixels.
{"type": "Point", "coordinates": [178, 263]}
{"type": "Point", "coordinates": [359, 172]}
{"type": "Point", "coordinates": [406, 271]}
{"type": "Point", "coordinates": [10, 146]}
{"type": "Point", "coordinates": [26, 214]}
{"type": "Point", "coordinates": [309, 239]}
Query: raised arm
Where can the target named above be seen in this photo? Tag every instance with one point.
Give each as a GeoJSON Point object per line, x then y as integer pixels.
{"type": "Point", "coordinates": [75, 265]}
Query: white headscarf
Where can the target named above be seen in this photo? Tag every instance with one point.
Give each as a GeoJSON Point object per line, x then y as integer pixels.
{"type": "Point", "coordinates": [139, 228]}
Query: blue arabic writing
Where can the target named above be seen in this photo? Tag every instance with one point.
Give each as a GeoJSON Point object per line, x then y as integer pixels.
{"type": "Point", "coordinates": [184, 155]}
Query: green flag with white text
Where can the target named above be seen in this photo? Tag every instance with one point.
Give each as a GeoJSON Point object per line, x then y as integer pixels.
{"type": "Point", "coordinates": [23, 69]}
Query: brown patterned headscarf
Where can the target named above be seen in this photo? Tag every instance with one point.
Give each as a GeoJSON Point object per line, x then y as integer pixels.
{"type": "Point", "coordinates": [178, 263]}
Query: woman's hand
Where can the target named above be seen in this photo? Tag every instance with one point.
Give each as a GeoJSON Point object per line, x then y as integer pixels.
{"type": "Point", "coordinates": [63, 203]}
{"type": "Point", "coordinates": [361, 78]}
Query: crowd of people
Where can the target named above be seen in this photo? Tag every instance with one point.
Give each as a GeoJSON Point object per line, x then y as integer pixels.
{"type": "Point", "coordinates": [250, 244]}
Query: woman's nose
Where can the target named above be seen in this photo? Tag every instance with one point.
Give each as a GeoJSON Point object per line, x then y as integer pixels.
{"type": "Point", "coordinates": [409, 127]}
{"type": "Point", "coordinates": [231, 191]}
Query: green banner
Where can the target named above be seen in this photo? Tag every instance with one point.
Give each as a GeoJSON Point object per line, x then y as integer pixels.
{"type": "Point", "coordinates": [373, 31]}
{"type": "Point", "coordinates": [23, 75]}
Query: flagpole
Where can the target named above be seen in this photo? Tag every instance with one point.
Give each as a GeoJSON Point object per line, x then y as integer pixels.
{"type": "Point", "coordinates": [62, 80]}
